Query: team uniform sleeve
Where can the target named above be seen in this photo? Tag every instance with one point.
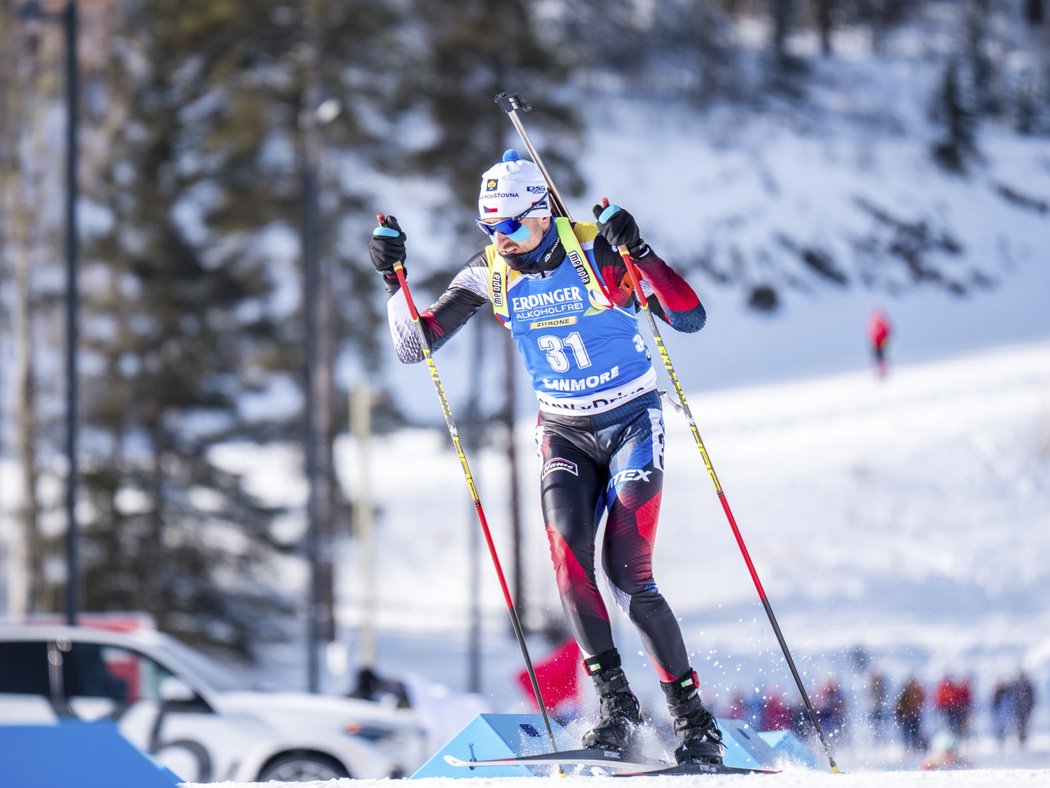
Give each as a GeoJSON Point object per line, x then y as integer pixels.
{"type": "Point", "coordinates": [667, 294]}
{"type": "Point", "coordinates": [465, 295]}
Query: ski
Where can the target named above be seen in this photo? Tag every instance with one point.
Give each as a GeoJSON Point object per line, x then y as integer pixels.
{"type": "Point", "coordinates": [584, 757]}
{"type": "Point", "coordinates": [695, 769]}
{"type": "Point", "coordinates": [613, 761]}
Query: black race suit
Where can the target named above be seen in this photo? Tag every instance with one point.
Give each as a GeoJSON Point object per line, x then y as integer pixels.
{"type": "Point", "coordinates": [610, 462]}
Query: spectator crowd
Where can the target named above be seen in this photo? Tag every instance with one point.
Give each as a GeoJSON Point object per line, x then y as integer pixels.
{"type": "Point", "coordinates": [915, 714]}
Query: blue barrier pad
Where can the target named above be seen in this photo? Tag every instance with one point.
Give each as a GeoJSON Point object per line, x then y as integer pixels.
{"type": "Point", "coordinates": [76, 754]}
{"type": "Point", "coordinates": [495, 736]}
{"type": "Point", "coordinates": [789, 747]}
{"type": "Point", "coordinates": [744, 747]}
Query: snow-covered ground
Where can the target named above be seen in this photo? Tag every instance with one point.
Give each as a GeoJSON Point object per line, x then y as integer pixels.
{"type": "Point", "coordinates": [990, 778]}
{"type": "Point", "coordinates": [921, 497]}
{"type": "Point", "coordinates": [898, 523]}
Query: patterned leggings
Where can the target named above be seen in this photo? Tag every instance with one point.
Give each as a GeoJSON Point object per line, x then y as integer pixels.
{"type": "Point", "coordinates": [609, 463]}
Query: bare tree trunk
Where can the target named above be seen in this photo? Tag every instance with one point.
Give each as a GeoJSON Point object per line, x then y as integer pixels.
{"type": "Point", "coordinates": [824, 25]}
{"type": "Point", "coordinates": [1044, 54]}
{"type": "Point", "coordinates": [361, 398]}
{"type": "Point", "coordinates": [1034, 12]}
{"type": "Point", "coordinates": [783, 12]}
{"type": "Point", "coordinates": [10, 550]}
{"type": "Point", "coordinates": [22, 200]}
{"type": "Point", "coordinates": [26, 548]}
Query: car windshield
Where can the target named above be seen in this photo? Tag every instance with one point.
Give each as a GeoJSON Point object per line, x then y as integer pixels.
{"type": "Point", "coordinates": [201, 668]}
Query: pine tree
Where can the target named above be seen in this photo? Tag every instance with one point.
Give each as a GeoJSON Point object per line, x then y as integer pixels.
{"type": "Point", "coordinates": [958, 142]}
{"type": "Point", "coordinates": [202, 127]}
{"type": "Point", "coordinates": [472, 51]}
{"type": "Point", "coordinates": [667, 48]}
{"type": "Point", "coordinates": [981, 67]}
{"type": "Point", "coordinates": [182, 325]}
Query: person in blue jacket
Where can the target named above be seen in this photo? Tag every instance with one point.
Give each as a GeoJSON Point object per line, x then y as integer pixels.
{"type": "Point", "coordinates": [563, 291]}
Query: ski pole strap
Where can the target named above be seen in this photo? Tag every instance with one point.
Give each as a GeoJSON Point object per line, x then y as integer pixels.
{"type": "Point", "coordinates": [585, 269]}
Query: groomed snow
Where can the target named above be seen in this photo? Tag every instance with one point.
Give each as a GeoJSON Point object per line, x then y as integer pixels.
{"type": "Point", "coordinates": [981, 778]}
{"type": "Point", "coordinates": [906, 517]}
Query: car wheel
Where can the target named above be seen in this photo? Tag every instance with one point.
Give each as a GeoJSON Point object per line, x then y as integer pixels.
{"type": "Point", "coordinates": [302, 767]}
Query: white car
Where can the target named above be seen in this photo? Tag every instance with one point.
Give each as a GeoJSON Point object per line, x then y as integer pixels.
{"type": "Point", "coordinates": [189, 714]}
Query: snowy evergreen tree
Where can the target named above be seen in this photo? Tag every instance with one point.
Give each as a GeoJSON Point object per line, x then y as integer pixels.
{"type": "Point", "coordinates": [688, 47]}
{"type": "Point", "coordinates": [958, 142]}
{"type": "Point", "coordinates": [31, 320]}
{"type": "Point", "coordinates": [181, 327]}
{"type": "Point", "coordinates": [472, 51]}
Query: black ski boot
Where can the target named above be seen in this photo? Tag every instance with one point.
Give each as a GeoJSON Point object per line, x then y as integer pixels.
{"type": "Point", "coordinates": [619, 714]}
{"type": "Point", "coordinates": [699, 740]}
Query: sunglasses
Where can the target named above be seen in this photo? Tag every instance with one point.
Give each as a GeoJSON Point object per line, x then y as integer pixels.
{"type": "Point", "coordinates": [506, 226]}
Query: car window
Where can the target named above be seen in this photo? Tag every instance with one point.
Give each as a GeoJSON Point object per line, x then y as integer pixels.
{"type": "Point", "coordinates": [23, 668]}
{"type": "Point", "coordinates": [94, 670]}
{"type": "Point", "coordinates": [203, 668]}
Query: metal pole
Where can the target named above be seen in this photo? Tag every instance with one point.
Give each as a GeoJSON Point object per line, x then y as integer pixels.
{"type": "Point", "coordinates": [311, 288]}
{"type": "Point", "coordinates": [317, 311]}
{"type": "Point", "coordinates": [364, 522]}
{"type": "Point", "coordinates": [512, 104]}
{"type": "Point", "coordinates": [313, 537]}
{"type": "Point", "coordinates": [72, 313]}
{"type": "Point", "coordinates": [510, 358]}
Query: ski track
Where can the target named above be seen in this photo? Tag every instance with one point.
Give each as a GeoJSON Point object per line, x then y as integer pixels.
{"type": "Point", "coordinates": [975, 778]}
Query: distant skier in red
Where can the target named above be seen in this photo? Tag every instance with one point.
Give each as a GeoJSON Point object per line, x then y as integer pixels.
{"type": "Point", "coordinates": [879, 333]}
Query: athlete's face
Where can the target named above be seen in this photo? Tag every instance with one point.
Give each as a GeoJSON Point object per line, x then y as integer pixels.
{"type": "Point", "coordinates": [536, 228]}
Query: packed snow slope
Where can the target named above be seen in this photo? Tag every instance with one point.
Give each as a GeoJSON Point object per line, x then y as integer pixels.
{"type": "Point", "coordinates": [901, 523]}
{"type": "Point", "coordinates": [908, 516]}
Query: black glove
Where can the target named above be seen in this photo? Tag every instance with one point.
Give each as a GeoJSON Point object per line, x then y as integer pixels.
{"type": "Point", "coordinates": [620, 229]}
{"type": "Point", "coordinates": [386, 248]}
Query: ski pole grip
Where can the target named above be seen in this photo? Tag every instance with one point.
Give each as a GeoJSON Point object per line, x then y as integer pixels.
{"type": "Point", "coordinates": [632, 270]}
{"type": "Point", "coordinates": [512, 102]}
{"type": "Point", "coordinates": [399, 272]}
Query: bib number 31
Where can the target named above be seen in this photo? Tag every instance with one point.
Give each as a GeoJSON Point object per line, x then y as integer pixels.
{"type": "Point", "coordinates": [556, 347]}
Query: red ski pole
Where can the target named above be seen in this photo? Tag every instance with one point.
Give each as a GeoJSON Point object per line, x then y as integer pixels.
{"type": "Point", "coordinates": [636, 283]}
{"type": "Point", "coordinates": [512, 104]}
{"type": "Point", "coordinates": [519, 633]}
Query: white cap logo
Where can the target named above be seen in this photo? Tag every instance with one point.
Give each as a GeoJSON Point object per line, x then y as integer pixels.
{"type": "Point", "coordinates": [511, 188]}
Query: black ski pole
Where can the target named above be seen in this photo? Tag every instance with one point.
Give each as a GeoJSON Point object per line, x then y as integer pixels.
{"type": "Point", "coordinates": [512, 104]}
{"type": "Point", "coordinates": [519, 633]}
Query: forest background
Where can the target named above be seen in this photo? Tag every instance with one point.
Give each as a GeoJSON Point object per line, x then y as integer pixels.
{"type": "Point", "coordinates": [211, 130]}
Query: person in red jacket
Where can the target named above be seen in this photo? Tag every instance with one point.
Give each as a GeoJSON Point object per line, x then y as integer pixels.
{"type": "Point", "coordinates": [879, 332]}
